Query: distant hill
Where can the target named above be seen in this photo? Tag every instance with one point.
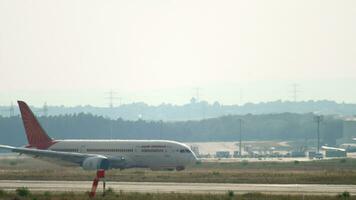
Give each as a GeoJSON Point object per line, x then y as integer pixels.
{"type": "Point", "coordinates": [198, 110]}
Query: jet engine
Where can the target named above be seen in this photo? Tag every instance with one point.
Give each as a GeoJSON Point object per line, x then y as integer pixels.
{"type": "Point", "coordinates": [95, 163]}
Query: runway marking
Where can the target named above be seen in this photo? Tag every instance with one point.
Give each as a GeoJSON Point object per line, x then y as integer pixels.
{"type": "Point", "coordinates": [62, 186]}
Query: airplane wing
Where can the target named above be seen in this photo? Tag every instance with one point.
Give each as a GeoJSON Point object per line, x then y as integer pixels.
{"type": "Point", "coordinates": [87, 161]}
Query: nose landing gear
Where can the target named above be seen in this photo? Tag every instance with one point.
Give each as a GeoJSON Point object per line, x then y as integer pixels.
{"type": "Point", "coordinates": [180, 168]}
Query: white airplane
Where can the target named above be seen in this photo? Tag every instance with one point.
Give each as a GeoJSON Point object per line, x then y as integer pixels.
{"type": "Point", "coordinates": [332, 148]}
{"type": "Point", "coordinates": [102, 155]}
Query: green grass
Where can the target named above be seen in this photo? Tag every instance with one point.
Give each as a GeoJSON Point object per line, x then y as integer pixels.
{"type": "Point", "coordinates": [338, 171]}
{"type": "Point", "coordinates": [171, 196]}
{"type": "Point", "coordinates": [23, 192]}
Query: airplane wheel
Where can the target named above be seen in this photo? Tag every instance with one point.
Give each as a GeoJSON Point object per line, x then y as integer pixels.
{"type": "Point", "coordinates": [180, 168]}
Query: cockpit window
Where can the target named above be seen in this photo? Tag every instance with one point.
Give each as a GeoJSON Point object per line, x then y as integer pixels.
{"type": "Point", "coordinates": [184, 151]}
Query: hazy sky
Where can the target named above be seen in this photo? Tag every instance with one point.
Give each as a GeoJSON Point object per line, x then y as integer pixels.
{"type": "Point", "coordinates": [73, 51]}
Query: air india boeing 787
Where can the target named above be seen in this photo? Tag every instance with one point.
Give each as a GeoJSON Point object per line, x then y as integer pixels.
{"type": "Point", "coordinates": [101, 155]}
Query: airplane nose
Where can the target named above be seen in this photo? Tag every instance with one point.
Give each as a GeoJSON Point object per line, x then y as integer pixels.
{"type": "Point", "coordinates": [195, 159]}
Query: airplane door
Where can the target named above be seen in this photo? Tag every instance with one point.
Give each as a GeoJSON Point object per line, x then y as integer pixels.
{"type": "Point", "coordinates": [82, 149]}
{"type": "Point", "coordinates": [137, 149]}
{"type": "Point", "coordinates": [139, 158]}
{"type": "Point", "coordinates": [175, 154]}
{"type": "Point", "coordinates": [169, 156]}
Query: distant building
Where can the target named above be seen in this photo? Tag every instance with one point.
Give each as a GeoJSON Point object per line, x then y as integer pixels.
{"type": "Point", "coordinates": [335, 153]}
{"type": "Point", "coordinates": [315, 155]}
{"type": "Point", "coordinates": [296, 154]}
{"type": "Point", "coordinates": [350, 147]}
{"type": "Point", "coordinates": [223, 154]}
{"type": "Point", "coordinates": [348, 131]}
{"type": "Point", "coordinates": [236, 154]}
{"type": "Point", "coordinates": [311, 154]}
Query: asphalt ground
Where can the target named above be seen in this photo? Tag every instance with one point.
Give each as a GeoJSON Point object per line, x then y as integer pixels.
{"type": "Point", "coordinates": [158, 187]}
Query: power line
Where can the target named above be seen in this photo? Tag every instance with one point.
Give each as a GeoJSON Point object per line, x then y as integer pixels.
{"type": "Point", "coordinates": [45, 109]}
{"type": "Point", "coordinates": [12, 110]}
{"type": "Point", "coordinates": [112, 97]}
{"type": "Point", "coordinates": [295, 92]}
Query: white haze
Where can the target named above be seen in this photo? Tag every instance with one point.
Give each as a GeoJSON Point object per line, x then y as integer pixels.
{"type": "Point", "coordinates": [71, 52]}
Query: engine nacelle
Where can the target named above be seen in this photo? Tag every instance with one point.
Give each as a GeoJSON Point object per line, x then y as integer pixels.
{"type": "Point", "coordinates": [95, 163]}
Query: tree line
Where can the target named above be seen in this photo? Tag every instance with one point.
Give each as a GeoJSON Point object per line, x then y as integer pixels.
{"type": "Point", "coordinates": [284, 126]}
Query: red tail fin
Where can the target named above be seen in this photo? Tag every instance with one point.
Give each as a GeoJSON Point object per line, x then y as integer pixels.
{"type": "Point", "coordinates": [36, 136]}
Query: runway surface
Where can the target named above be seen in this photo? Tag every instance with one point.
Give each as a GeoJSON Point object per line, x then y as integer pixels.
{"type": "Point", "coordinates": [61, 186]}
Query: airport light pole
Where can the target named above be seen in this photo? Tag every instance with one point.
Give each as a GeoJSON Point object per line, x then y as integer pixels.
{"type": "Point", "coordinates": [318, 119]}
{"type": "Point", "coordinates": [160, 129]}
{"type": "Point", "coordinates": [240, 142]}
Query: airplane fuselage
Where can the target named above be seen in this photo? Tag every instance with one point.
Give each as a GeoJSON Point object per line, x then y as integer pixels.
{"type": "Point", "coordinates": [153, 154]}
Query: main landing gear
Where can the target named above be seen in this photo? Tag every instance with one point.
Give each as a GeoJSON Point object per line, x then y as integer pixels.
{"type": "Point", "coordinates": [100, 174]}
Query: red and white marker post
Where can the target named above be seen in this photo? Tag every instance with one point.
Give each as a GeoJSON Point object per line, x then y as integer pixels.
{"type": "Point", "coordinates": [100, 174]}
